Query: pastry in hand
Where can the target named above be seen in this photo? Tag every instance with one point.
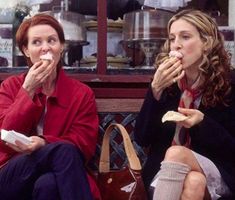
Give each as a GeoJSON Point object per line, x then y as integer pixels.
{"type": "Point", "coordinates": [173, 116]}
{"type": "Point", "coordinates": [48, 56]}
{"type": "Point", "coordinates": [176, 54]}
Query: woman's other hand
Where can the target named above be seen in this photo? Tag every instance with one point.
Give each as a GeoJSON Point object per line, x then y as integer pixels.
{"type": "Point", "coordinates": [37, 142]}
{"type": "Point", "coordinates": [194, 117]}
{"type": "Point", "coordinates": [169, 72]}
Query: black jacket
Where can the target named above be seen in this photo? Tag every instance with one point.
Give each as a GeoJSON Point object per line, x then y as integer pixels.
{"type": "Point", "coordinates": [213, 138]}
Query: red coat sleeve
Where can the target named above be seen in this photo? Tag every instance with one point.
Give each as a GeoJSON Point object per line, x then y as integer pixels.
{"type": "Point", "coordinates": [17, 110]}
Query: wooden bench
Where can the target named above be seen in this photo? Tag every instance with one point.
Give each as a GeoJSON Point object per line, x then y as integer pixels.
{"type": "Point", "coordinates": [123, 111]}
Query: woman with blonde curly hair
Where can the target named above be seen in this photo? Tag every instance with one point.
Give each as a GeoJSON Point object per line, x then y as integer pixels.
{"type": "Point", "coordinates": [190, 157]}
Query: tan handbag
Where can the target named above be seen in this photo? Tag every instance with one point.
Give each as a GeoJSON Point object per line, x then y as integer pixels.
{"type": "Point", "coordinates": [123, 184]}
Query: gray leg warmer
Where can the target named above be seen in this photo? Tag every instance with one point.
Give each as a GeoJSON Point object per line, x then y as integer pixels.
{"type": "Point", "coordinates": [170, 180]}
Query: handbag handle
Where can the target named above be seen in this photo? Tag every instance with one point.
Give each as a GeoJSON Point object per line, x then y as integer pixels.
{"type": "Point", "coordinates": [104, 164]}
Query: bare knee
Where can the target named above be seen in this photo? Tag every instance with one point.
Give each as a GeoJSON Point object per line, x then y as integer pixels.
{"type": "Point", "coordinates": [176, 154]}
{"type": "Point", "coordinates": [194, 186]}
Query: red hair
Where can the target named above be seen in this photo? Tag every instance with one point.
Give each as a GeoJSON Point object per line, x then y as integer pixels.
{"type": "Point", "coordinates": [39, 19]}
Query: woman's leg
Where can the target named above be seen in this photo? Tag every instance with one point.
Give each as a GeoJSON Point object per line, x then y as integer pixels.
{"type": "Point", "coordinates": [176, 158]}
{"type": "Point", "coordinates": [17, 178]}
{"type": "Point", "coordinates": [169, 181]}
{"type": "Point", "coordinates": [45, 187]}
{"type": "Point", "coordinates": [194, 186]}
{"type": "Point", "coordinates": [64, 160]}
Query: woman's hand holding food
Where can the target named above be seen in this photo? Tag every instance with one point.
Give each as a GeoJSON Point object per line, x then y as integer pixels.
{"type": "Point", "coordinates": [37, 142]}
{"type": "Point", "coordinates": [38, 74]}
{"type": "Point", "coordinates": [169, 72]}
{"type": "Point", "coordinates": [194, 117]}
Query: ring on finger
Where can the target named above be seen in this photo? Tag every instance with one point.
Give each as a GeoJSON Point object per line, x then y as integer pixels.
{"type": "Point", "coordinates": [174, 80]}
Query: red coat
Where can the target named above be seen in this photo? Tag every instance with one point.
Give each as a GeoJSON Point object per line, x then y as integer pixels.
{"type": "Point", "coordinates": [71, 115]}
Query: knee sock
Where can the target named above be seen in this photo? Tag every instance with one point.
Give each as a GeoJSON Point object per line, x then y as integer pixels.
{"type": "Point", "coordinates": [170, 180]}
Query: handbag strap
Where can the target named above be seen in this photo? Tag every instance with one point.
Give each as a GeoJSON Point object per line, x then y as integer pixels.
{"type": "Point", "coordinates": [104, 164]}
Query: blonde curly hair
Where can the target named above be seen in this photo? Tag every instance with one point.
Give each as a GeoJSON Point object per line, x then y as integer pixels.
{"type": "Point", "coordinates": [215, 66]}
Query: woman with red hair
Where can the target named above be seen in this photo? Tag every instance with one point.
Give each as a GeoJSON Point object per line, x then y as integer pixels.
{"type": "Point", "coordinates": [57, 113]}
